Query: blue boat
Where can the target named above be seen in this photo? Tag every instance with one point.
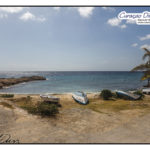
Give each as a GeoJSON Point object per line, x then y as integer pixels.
{"type": "Point", "coordinates": [80, 97]}
{"type": "Point", "coordinates": [128, 95]}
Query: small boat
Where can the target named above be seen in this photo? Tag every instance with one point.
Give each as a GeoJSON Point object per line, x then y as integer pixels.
{"type": "Point", "coordinates": [146, 90]}
{"type": "Point", "coordinates": [80, 97]}
{"type": "Point", "coordinates": [49, 98]}
{"type": "Point", "coordinates": [128, 95]}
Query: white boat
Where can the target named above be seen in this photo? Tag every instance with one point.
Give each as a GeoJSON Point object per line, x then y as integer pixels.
{"type": "Point", "coordinates": [146, 90]}
{"type": "Point", "coordinates": [128, 95]}
{"type": "Point", "coordinates": [80, 97]}
{"type": "Point", "coordinates": [49, 98]}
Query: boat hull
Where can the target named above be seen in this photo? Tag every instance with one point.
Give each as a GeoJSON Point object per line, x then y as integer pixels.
{"type": "Point", "coordinates": [49, 98]}
{"type": "Point", "coordinates": [146, 91]}
{"type": "Point", "coordinates": [78, 101]}
{"type": "Point", "coordinates": [129, 96]}
{"type": "Point", "coordinates": [81, 99]}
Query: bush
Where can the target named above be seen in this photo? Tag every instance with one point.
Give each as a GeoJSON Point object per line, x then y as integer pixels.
{"type": "Point", "coordinates": [139, 93]}
{"type": "Point", "coordinates": [106, 94]}
{"type": "Point", "coordinates": [42, 108]}
{"type": "Point", "coordinates": [46, 109]}
{"type": "Point", "coordinates": [7, 95]}
{"type": "Point", "coordinates": [6, 105]}
{"type": "Point", "coordinates": [114, 95]}
{"type": "Point", "coordinates": [30, 109]}
{"type": "Point", "coordinates": [29, 97]}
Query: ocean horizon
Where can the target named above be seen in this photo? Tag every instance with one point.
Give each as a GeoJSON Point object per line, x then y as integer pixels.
{"type": "Point", "coordinates": [72, 81]}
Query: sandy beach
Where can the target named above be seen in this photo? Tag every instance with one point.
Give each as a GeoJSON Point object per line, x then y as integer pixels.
{"type": "Point", "coordinates": [113, 121]}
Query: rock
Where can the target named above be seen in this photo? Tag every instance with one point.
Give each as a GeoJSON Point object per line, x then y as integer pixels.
{"type": "Point", "coordinates": [12, 81]}
{"type": "Point", "coordinates": [1, 85]}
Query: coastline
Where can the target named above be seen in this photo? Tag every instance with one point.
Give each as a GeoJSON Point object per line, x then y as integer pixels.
{"type": "Point", "coordinates": [75, 123]}
{"type": "Point", "coordinates": [62, 82]}
{"type": "Point", "coordinates": [63, 93]}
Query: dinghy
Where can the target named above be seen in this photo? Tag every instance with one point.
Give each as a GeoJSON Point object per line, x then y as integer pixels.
{"type": "Point", "coordinates": [80, 97]}
{"type": "Point", "coordinates": [49, 98]}
{"type": "Point", "coordinates": [146, 91]}
{"type": "Point", "coordinates": [128, 95]}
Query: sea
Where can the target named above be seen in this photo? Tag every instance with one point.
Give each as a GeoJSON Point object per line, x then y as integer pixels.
{"type": "Point", "coordinates": [72, 81]}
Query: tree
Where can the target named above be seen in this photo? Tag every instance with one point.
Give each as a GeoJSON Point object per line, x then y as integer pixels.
{"type": "Point", "coordinates": [145, 67]}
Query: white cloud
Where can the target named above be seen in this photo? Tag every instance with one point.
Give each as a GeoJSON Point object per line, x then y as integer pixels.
{"type": "Point", "coordinates": [85, 11]}
{"type": "Point", "coordinates": [129, 21]}
{"type": "Point", "coordinates": [29, 16]}
{"type": "Point", "coordinates": [115, 22]}
{"type": "Point", "coordinates": [2, 16]}
{"type": "Point", "coordinates": [4, 11]}
{"type": "Point", "coordinates": [56, 8]}
{"type": "Point", "coordinates": [123, 26]}
{"type": "Point", "coordinates": [41, 19]}
{"type": "Point", "coordinates": [11, 9]}
{"type": "Point", "coordinates": [121, 23]}
{"type": "Point", "coordinates": [147, 37]}
{"type": "Point", "coordinates": [134, 45]}
{"type": "Point", "coordinates": [109, 8]}
{"type": "Point", "coordinates": [145, 46]}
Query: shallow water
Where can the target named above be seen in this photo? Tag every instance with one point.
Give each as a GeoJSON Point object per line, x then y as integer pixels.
{"type": "Point", "coordinates": [64, 82]}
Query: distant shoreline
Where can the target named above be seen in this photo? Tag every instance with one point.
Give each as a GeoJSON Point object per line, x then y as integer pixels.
{"type": "Point", "coordinates": [65, 93]}
{"type": "Point", "coordinates": [76, 71]}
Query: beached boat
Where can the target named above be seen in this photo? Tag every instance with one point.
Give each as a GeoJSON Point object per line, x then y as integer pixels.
{"type": "Point", "coordinates": [146, 91]}
{"type": "Point", "coordinates": [50, 98]}
{"type": "Point", "coordinates": [128, 95]}
{"type": "Point", "coordinates": [80, 97]}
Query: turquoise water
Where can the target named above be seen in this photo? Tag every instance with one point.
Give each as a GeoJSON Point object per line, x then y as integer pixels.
{"type": "Point", "coordinates": [64, 82]}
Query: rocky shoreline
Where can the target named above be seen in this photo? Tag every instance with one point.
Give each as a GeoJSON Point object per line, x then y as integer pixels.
{"type": "Point", "coordinates": [4, 82]}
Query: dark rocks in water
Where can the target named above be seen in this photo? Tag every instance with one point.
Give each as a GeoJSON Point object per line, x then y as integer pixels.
{"type": "Point", "coordinates": [12, 81]}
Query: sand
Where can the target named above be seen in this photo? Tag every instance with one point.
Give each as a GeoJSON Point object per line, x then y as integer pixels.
{"type": "Point", "coordinates": [76, 123]}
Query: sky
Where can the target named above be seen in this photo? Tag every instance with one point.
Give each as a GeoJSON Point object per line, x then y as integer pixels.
{"type": "Point", "coordinates": [70, 39]}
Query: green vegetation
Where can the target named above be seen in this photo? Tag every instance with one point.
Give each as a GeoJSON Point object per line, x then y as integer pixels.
{"type": "Point", "coordinates": [145, 67]}
{"type": "Point", "coordinates": [29, 97]}
{"type": "Point", "coordinates": [106, 94]}
{"type": "Point", "coordinates": [40, 108]}
{"type": "Point", "coordinates": [103, 106]}
{"type": "Point", "coordinates": [139, 93]}
{"type": "Point", "coordinates": [30, 108]}
{"type": "Point", "coordinates": [6, 105]}
{"type": "Point", "coordinates": [115, 95]}
{"type": "Point", "coordinates": [46, 109]}
{"type": "Point", "coordinates": [7, 95]}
